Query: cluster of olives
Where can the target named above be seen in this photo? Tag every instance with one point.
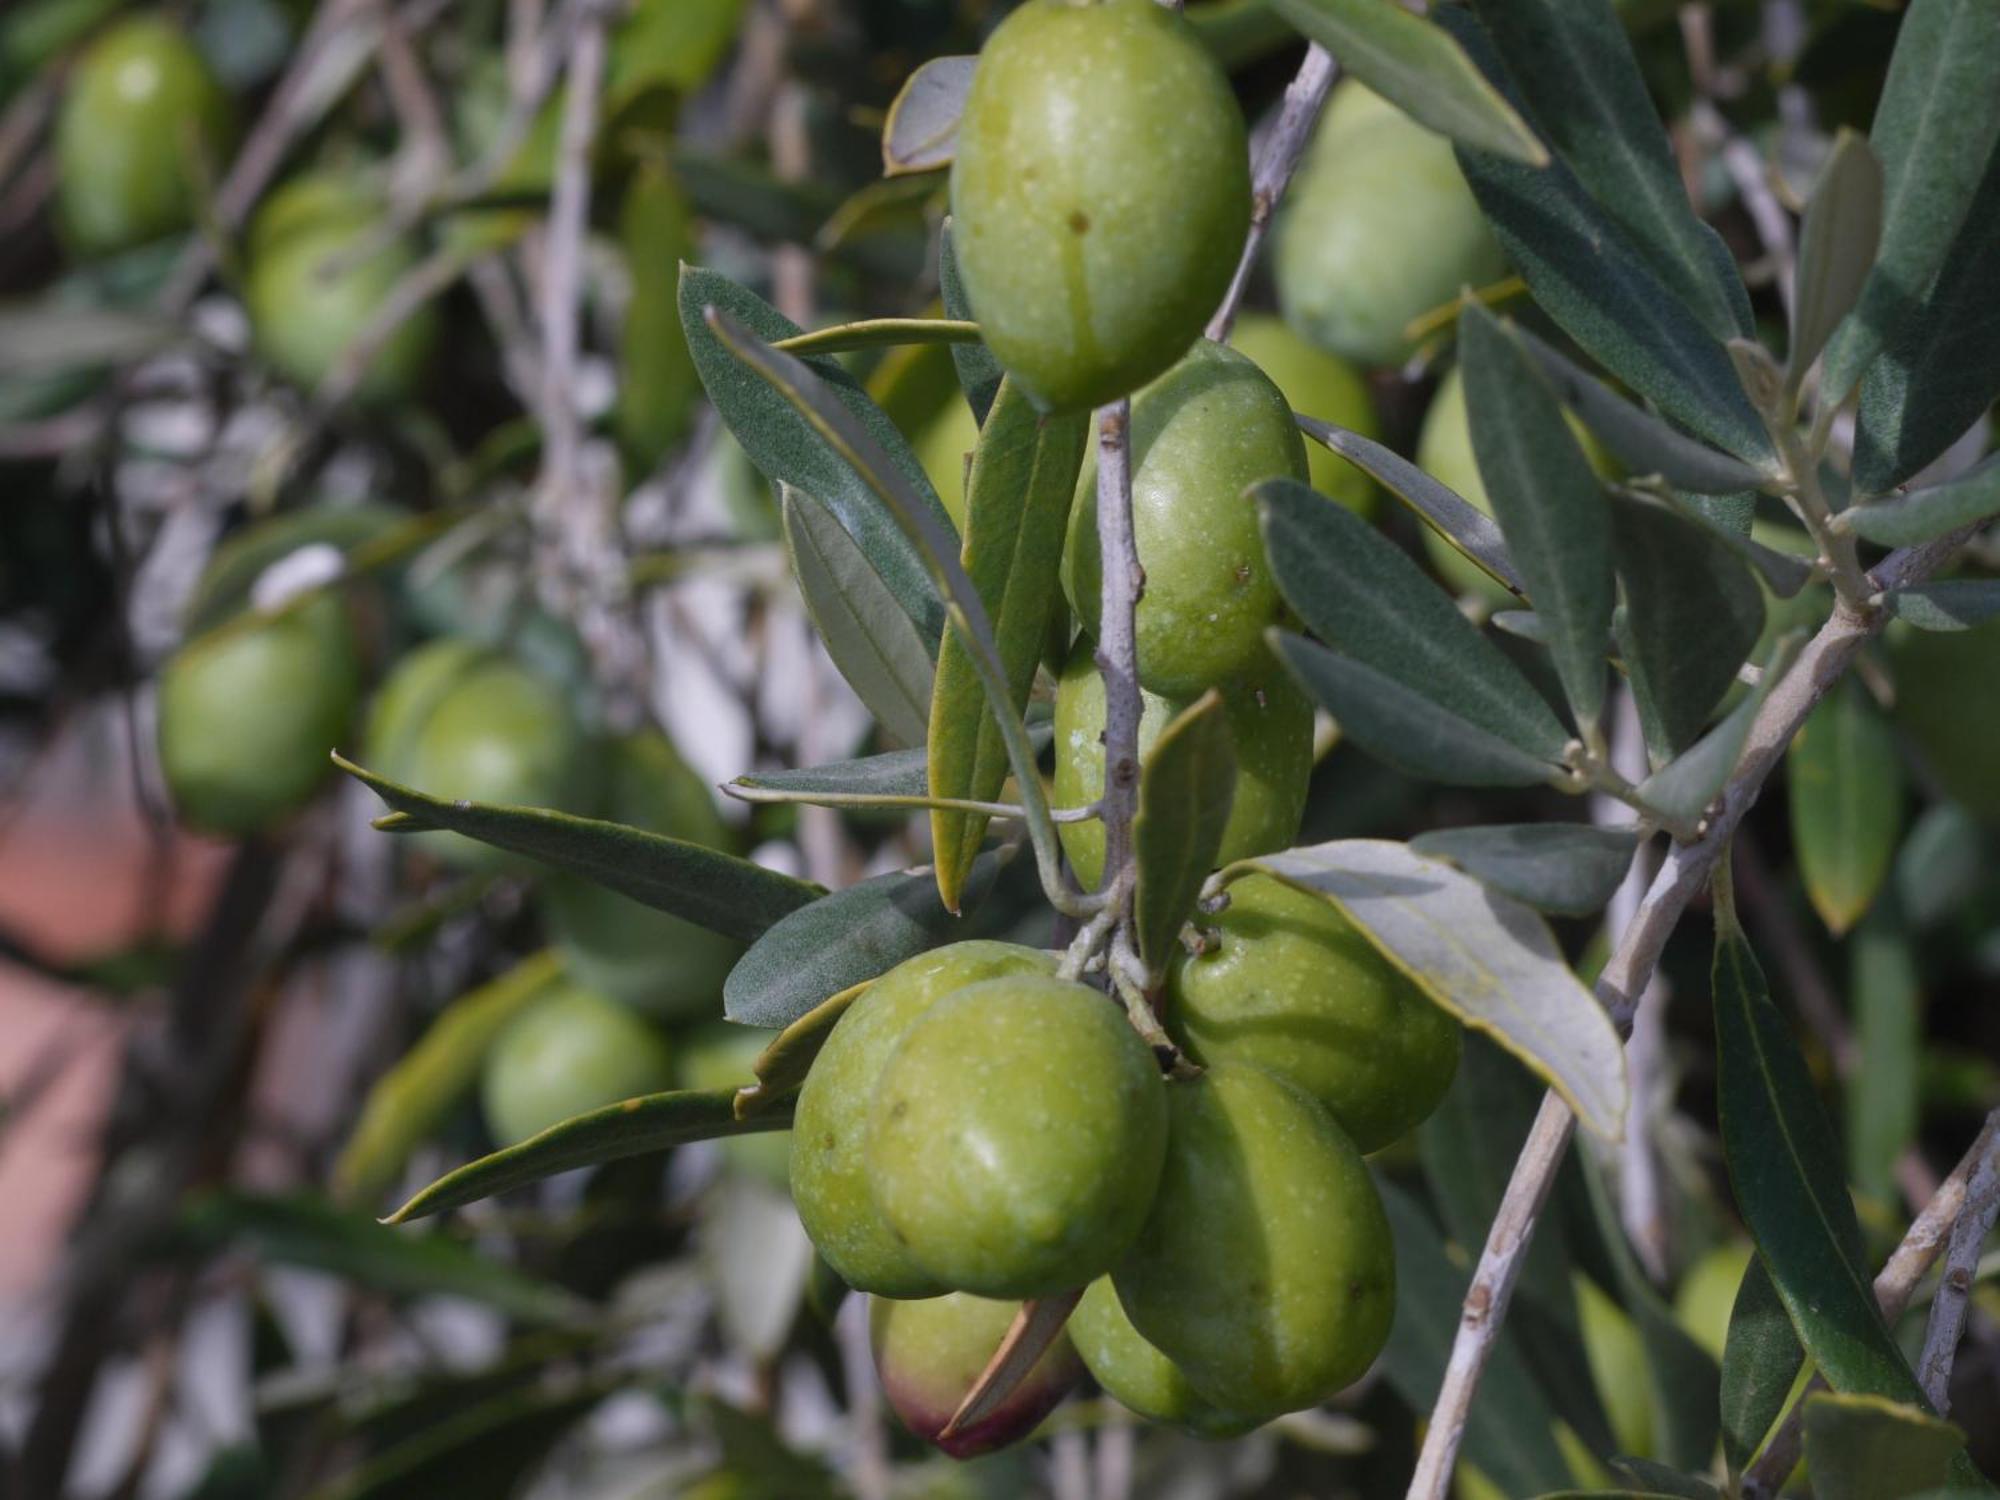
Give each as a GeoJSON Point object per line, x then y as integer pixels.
{"type": "Point", "coordinates": [979, 1130]}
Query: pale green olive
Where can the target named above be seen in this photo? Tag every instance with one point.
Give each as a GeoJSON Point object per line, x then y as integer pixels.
{"type": "Point", "coordinates": [1137, 1375]}
{"type": "Point", "coordinates": [566, 1055]}
{"type": "Point", "coordinates": [1321, 385]}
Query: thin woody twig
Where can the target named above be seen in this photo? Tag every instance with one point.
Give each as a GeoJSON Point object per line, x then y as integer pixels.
{"type": "Point", "coordinates": [1961, 1262]}
{"type": "Point", "coordinates": [1117, 641]}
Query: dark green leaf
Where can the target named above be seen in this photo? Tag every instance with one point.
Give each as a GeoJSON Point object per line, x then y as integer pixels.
{"type": "Point", "coordinates": [50, 337]}
{"type": "Point", "coordinates": [1865, 1448]}
{"type": "Point", "coordinates": [711, 889]}
{"type": "Point", "coordinates": [1760, 1363]}
{"type": "Point", "coordinates": [1363, 595]}
{"type": "Point", "coordinates": [921, 131]}
{"type": "Point", "coordinates": [1845, 780]}
{"type": "Point", "coordinates": [1843, 225]}
{"type": "Point", "coordinates": [790, 450]}
{"type": "Point", "coordinates": [1920, 515]}
{"type": "Point", "coordinates": [840, 941]}
{"type": "Point", "coordinates": [1582, 84]}
{"type": "Point", "coordinates": [1404, 728]}
{"type": "Point", "coordinates": [880, 333]}
{"type": "Point", "coordinates": [1684, 786]}
{"type": "Point", "coordinates": [1783, 573]}
{"type": "Point", "coordinates": [1941, 865]}
{"type": "Point", "coordinates": [1017, 503]}
{"type": "Point", "coordinates": [1662, 1479]}
{"type": "Point", "coordinates": [1571, 869]}
{"type": "Point", "coordinates": [1785, 1164]}
{"type": "Point", "coordinates": [634, 1127]}
{"type": "Point", "coordinates": [1883, 1097]}
{"type": "Point", "coordinates": [1953, 604]}
{"type": "Point", "coordinates": [1550, 504]}
{"type": "Point", "coordinates": [1186, 785]}
{"type": "Point", "coordinates": [979, 373]}
{"type": "Point", "coordinates": [484, 1450]}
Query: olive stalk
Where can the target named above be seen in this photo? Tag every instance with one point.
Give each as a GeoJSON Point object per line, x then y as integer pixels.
{"type": "Point", "coordinates": [1124, 580]}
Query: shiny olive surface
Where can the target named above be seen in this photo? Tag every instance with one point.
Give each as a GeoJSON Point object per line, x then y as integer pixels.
{"type": "Point", "coordinates": [929, 1352]}
{"type": "Point", "coordinates": [1137, 1375]}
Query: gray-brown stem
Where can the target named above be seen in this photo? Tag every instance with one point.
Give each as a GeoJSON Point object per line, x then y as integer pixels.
{"type": "Point", "coordinates": [1117, 643]}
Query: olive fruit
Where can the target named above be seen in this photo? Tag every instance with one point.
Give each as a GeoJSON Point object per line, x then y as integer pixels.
{"type": "Point", "coordinates": [249, 711]}
{"type": "Point", "coordinates": [1201, 435]}
{"type": "Point", "coordinates": [1135, 1374]}
{"type": "Point", "coordinates": [566, 1055]}
{"type": "Point", "coordinates": [632, 952]}
{"type": "Point", "coordinates": [1378, 228]}
{"type": "Point", "coordinates": [459, 721]}
{"type": "Point", "coordinates": [308, 296]}
{"type": "Point", "coordinates": [1016, 1136]}
{"type": "Point", "coordinates": [829, 1126]}
{"type": "Point", "coordinates": [1270, 723]}
{"type": "Point", "coordinates": [721, 1055]}
{"type": "Point", "coordinates": [1948, 702]}
{"type": "Point", "coordinates": [930, 1352]}
{"type": "Point", "coordinates": [1100, 195]}
{"type": "Point", "coordinates": [1289, 984]}
{"type": "Point", "coordinates": [1265, 1270]}
{"type": "Point", "coordinates": [140, 113]}
{"type": "Point", "coordinates": [1319, 385]}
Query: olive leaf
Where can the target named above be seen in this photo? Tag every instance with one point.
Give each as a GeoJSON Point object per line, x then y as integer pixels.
{"type": "Point", "coordinates": [658, 385]}
{"type": "Point", "coordinates": [895, 778]}
{"type": "Point", "coordinates": [1571, 869]}
{"type": "Point", "coordinates": [1186, 785]}
{"type": "Point", "coordinates": [1761, 1356]}
{"type": "Point", "coordinates": [921, 131]}
{"type": "Point", "coordinates": [1843, 225]}
{"type": "Point", "coordinates": [979, 372]}
{"type": "Point", "coordinates": [879, 333]}
{"type": "Point", "coordinates": [781, 1068]}
{"type": "Point", "coordinates": [1845, 780]}
{"type": "Point", "coordinates": [1923, 514]}
{"type": "Point", "coordinates": [1682, 789]}
{"type": "Point", "coordinates": [1953, 604]}
{"type": "Point", "coordinates": [1884, 1099]}
{"type": "Point", "coordinates": [1859, 1447]}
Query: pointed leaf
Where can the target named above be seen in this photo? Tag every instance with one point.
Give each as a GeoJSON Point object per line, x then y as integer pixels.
{"type": "Point", "coordinates": [1571, 869]}
{"type": "Point", "coordinates": [1884, 1098]}
{"type": "Point", "coordinates": [1843, 225]}
{"type": "Point", "coordinates": [1017, 503]}
{"type": "Point", "coordinates": [1863, 1447]}
{"type": "Point", "coordinates": [632, 1128]}
{"type": "Point", "coordinates": [781, 1067]}
{"type": "Point", "coordinates": [1920, 515]}
{"type": "Point", "coordinates": [880, 333]}
{"type": "Point", "coordinates": [1845, 780]}
{"type": "Point", "coordinates": [1954, 604]}
{"type": "Point", "coordinates": [877, 778]}
{"type": "Point", "coordinates": [1486, 958]}
{"type": "Point", "coordinates": [1550, 504]}
{"type": "Point", "coordinates": [1362, 594]}
{"type": "Point", "coordinates": [1186, 785]}
{"type": "Point", "coordinates": [1683, 788]}
{"type": "Point", "coordinates": [979, 372]}
{"type": "Point", "coordinates": [1404, 728]}
{"type": "Point", "coordinates": [701, 885]}
{"type": "Point", "coordinates": [1784, 574]}
{"type": "Point", "coordinates": [1760, 1364]}
{"type": "Point", "coordinates": [921, 132]}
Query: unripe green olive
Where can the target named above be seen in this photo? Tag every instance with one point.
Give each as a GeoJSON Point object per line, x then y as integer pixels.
{"type": "Point", "coordinates": [1948, 701]}
{"type": "Point", "coordinates": [1378, 228]}
{"type": "Point", "coordinates": [721, 1055]}
{"type": "Point", "coordinates": [141, 112]}
{"type": "Point", "coordinates": [1202, 433]}
{"type": "Point", "coordinates": [304, 318]}
{"type": "Point", "coordinates": [1137, 1375]}
{"type": "Point", "coordinates": [638, 955]}
{"type": "Point", "coordinates": [1016, 1137]}
{"type": "Point", "coordinates": [1100, 195]}
{"type": "Point", "coordinates": [1270, 724]}
{"type": "Point", "coordinates": [1290, 985]}
{"type": "Point", "coordinates": [829, 1127]}
{"type": "Point", "coordinates": [930, 1352]}
{"type": "Point", "coordinates": [1319, 385]}
{"type": "Point", "coordinates": [1266, 1270]}
{"type": "Point", "coordinates": [458, 721]}
{"type": "Point", "coordinates": [565, 1056]}
{"type": "Point", "coordinates": [249, 712]}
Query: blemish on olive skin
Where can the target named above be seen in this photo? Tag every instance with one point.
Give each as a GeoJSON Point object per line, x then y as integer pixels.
{"type": "Point", "coordinates": [1079, 221]}
{"type": "Point", "coordinates": [1242, 572]}
{"type": "Point", "coordinates": [827, 1140]}
{"type": "Point", "coordinates": [900, 1108]}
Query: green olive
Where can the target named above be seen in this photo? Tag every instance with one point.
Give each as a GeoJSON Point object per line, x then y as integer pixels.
{"type": "Point", "coordinates": [1378, 229]}
{"type": "Point", "coordinates": [930, 1351]}
{"type": "Point", "coordinates": [1202, 433]}
{"type": "Point", "coordinates": [249, 712]}
{"type": "Point", "coordinates": [1319, 385]}
{"type": "Point", "coordinates": [829, 1134]}
{"type": "Point", "coordinates": [565, 1056]}
{"type": "Point", "coordinates": [1137, 1375]}
{"type": "Point", "coordinates": [721, 1055]}
{"type": "Point", "coordinates": [1100, 195]}
{"type": "Point", "coordinates": [1270, 723]}
{"type": "Point", "coordinates": [141, 122]}
{"type": "Point", "coordinates": [458, 721]}
{"type": "Point", "coordinates": [1290, 985]}
{"type": "Point", "coordinates": [1948, 702]}
{"type": "Point", "coordinates": [307, 303]}
{"type": "Point", "coordinates": [637, 955]}
{"type": "Point", "coordinates": [1016, 1136]}
{"type": "Point", "coordinates": [1266, 1270]}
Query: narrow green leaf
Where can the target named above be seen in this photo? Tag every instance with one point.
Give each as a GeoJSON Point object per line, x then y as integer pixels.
{"type": "Point", "coordinates": [782, 1066]}
{"type": "Point", "coordinates": [1363, 595]}
{"type": "Point", "coordinates": [1403, 728]}
{"type": "Point", "coordinates": [893, 774]}
{"type": "Point", "coordinates": [1550, 504]}
{"type": "Point", "coordinates": [883, 656]}
{"type": "Point", "coordinates": [1760, 1364]}
{"type": "Point", "coordinates": [979, 373]}
{"type": "Point", "coordinates": [51, 337]}
{"type": "Point", "coordinates": [1843, 226]}
{"type": "Point", "coordinates": [1863, 1447]}
{"type": "Point", "coordinates": [710, 889]}
{"type": "Point", "coordinates": [1941, 867]}
{"type": "Point", "coordinates": [1783, 573]}
{"type": "Point", "coordinates": [631, 1128]}
{"type": "Point", "coordinates": [1845, 781]}
{"type": "Point", "coordinates": [408, 1103]}
{"type": "Point", "coordinates": [841, 940]}
{"type": "Point", "coordinates": [1017, 504]}
{"type": "Point", "coordinates": [1462, 524]}
{"type": "Point", "coordinates": [657, 385]}
{"type": "Point", "coordinates": [921, 132]}
{"type": "Point", "coordinates": [1685, 785]}
{"type": "Point", "coordinates": [1920, 515]}
{"type": "Point", "coordinates": [1785, 1165]}
{"type": "Point", "coordinates": [1486, 958]}
{"type": "Point", "coordinates": [1953, 604]}
{"type": "Point", "coordinates": [1186, 785]}
{"type": "Point", "coordinates": [1581, 81]}
{"type": "Point", "coordinates": [1663, 1479]}
{"type": "Point", "coordinates": [1571, 869]}
{"type": "Point", "coordinates": [790, 450]}
{"type": "Point", "coordinates": [1420, 69]}
{"type": "Point", "coordinates": [880, 333]}
{"type": "Point", "coordinates": [1692, 614]}
{"type": "Point", "coordinates": [1883, 1098]}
